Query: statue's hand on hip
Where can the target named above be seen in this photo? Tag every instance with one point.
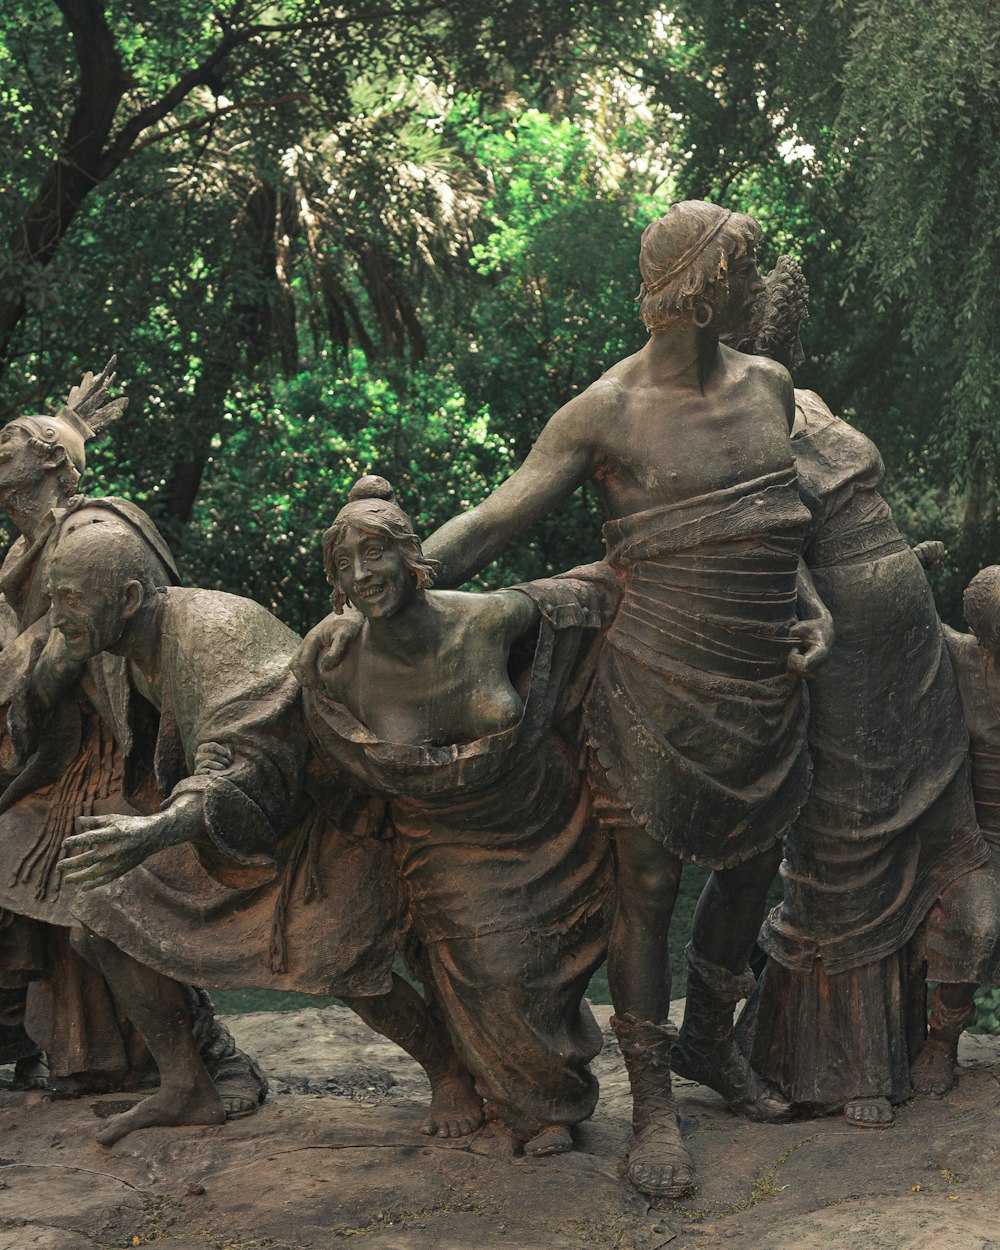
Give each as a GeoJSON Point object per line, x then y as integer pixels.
{"type": "Point", "coordinates": [931, 554]}
{"type": "Point", "coordinates": [814, 640]}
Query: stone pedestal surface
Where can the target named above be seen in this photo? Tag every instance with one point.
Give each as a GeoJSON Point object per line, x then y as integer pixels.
{"type": "Point", "coordinates": [334, 1156]}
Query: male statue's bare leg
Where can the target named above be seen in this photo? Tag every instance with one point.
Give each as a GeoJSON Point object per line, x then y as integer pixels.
{"type": "Point", "coordinates": [639, 979]}
{"type": "Point", "coordinates": [726, 923]}
{"type": "Point", "coordinates": [405, 1018]}
{"type": "Point", "coordinates": [961, 922]}
{"type": "Point", "coordinates": [158, 1008]}
{"type": "Point", "coordinates": [952, 1007]}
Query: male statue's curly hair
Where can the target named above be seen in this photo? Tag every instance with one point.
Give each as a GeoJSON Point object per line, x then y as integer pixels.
{"type": "Point", "coordinates": [777, 317]}
{"type": "Point", "coordinates": [981, 605]}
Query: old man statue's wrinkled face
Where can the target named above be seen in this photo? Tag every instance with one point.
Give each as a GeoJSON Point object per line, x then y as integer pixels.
{"type": "Point", "coordinates": [89, 616]}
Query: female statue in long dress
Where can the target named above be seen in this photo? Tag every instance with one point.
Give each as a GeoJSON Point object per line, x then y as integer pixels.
{"type": "Point", "coordinates": [505, 873]}
{"type": "Point", "coordinates": [889, 822]}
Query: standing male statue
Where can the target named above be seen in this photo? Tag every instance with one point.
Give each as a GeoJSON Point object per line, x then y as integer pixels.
{"type": "Point", "coordinates": [696, 717]}
{"type": "Point", "coordinates": [76, 770]}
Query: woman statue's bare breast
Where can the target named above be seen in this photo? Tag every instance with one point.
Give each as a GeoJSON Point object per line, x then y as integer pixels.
{"type": "Point", "coordinates": [457, 691]}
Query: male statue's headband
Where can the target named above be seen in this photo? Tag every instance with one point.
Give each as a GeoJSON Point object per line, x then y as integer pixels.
{"type": "Point", "coordinates": [687, 257]}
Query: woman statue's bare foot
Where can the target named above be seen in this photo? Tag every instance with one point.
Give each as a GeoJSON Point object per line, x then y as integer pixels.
{"type": "Point", "coordinates": [165, 1108]}
{"type": "Point", "coordinates": [868, 1113]}
{"type": "Point", "coordinates": [456, 1108]}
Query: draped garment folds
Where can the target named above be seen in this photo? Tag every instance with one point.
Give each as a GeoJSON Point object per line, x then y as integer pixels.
{"type": "Point", "coordinates": [889, 821]}
{"type": "Point", "coordinates": [280, 892]}
{"type": "Point", "coordinates": [697, 723]}
{"type": "Point", "coordinates": [77, 770]}
{"type": "Point", "coordinates": [505, 874]}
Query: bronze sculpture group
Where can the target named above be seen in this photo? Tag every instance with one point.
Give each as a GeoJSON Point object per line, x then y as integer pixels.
{"type": "Point", "coordinates": [502, 788]}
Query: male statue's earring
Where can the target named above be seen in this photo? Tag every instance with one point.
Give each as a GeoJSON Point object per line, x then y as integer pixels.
{"type": "Point", "coordinates": [703, 314]}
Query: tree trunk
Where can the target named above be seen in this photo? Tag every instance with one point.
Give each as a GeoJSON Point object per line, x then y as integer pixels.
{"type": "Point", "coordinates": [205, 416]}
{"type": "Point", "coordinates": [75, 171]}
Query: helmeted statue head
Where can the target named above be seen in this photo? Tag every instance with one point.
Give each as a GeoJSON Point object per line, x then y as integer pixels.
{"type": "Point", "coordinates": [86, 412]}
{"type": "Point", "coordinates": [371, 510]}
{"type": "Point", "coordinates": [685, 257]}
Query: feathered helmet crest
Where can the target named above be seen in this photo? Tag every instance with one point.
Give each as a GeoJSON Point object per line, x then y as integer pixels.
{"type": "Point", "coordinates": [86, 412]}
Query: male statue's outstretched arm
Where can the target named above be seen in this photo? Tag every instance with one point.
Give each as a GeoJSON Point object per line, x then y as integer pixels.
{"type": "Point", "coordinates": [106, 846]}
{"type": "Point", "coordinates": [559, 462]}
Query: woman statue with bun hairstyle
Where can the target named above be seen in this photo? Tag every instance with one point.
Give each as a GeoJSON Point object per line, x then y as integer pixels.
{"type": "Point", "coordinates": [889, 823]}
{"type": "Point", "coordinates": [447, 704]}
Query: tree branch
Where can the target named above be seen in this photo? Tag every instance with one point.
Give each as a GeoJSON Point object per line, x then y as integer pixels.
{"type": "Point", "coordinates": [347, 19]}
{"type": "Point", "coordinates": [74, 172]}
{"type": "Point", "coordinates": [124, 142]}
{"type": "Point", "coordinates": [127, 136]}
{"type": "Point", "coordinates": [84, 161]}
{"type": "Point", "coordinates": [206, 119]}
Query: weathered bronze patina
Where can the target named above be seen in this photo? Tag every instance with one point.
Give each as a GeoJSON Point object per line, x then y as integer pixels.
{"type": "Point", "coordinates": [65, 766]}
{"type": "Point", "coordinates": [258, 874]}
{"type": "Point", "coordinates": [889, 823]}
{"type": "Point", "coordinates": [696, 718]}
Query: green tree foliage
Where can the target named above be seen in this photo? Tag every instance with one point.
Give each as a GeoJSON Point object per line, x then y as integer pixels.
{"type": "Point", "coordinates": [275, 175]}
{"type": "Point", "coordinates": [236, 195]}
{"type": "Point", "coordinates": [289, 455]}
{"type": "Point", "coordinates": [557, 305]}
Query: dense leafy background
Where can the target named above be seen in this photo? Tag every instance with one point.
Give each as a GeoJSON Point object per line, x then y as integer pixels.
{"type": "Point", "coordinates": [398, 235]}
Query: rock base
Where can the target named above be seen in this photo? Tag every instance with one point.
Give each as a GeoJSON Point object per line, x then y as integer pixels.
{"type": "Point", "coordinates": [334, 1154]}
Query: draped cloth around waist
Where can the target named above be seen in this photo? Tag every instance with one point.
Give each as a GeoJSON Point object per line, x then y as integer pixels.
{"type": "Point", "coordinates": [697, 723]}
{"type": "Point", "coordinates": [492, 836]}
{"type": "Point", "coordinates": [986, 787]}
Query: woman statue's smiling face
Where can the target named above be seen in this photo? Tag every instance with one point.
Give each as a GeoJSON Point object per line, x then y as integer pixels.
{"type": "Point", "coordinates": [372, 574]}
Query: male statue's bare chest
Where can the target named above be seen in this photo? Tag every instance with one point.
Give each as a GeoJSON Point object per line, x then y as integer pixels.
{"type": "Point", "coordinates": [665, 450]}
